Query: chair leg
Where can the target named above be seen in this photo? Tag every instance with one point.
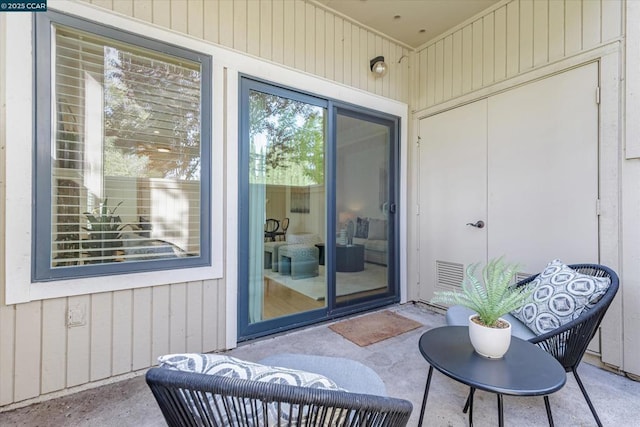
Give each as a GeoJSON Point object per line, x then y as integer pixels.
{"type": "Point", "coordinates": [468, 406]}
{"type": "Point", "coordinates": [586, 396]}
{"type": "Point", "coordinates": [426, 394]}
{"type": "Point", "coordinates": [548, 408]}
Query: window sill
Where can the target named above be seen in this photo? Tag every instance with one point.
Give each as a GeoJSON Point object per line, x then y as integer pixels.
{"type": "Point", "coordinates": [22, 291]}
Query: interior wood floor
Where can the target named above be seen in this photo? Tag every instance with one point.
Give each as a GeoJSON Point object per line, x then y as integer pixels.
{"type": "Point", "coordinates": [281, 301]}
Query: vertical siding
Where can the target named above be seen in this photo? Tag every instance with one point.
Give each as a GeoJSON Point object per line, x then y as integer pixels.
{"type": "Point", "coordinates": [28, 351]}
{"type": "Point", "coordinates": [210, 26]}
{"type": "Point", "coordinates": [510, 40]}
{"type": "Point", "coordinates": [54, 345]}
{"type": "Point", "coordinates": [120, 332]}
{"type": "Point", "coordinates": [101, 349]}
{"type": "Point", "coordinates": [127, 330]}
{"type": "Point", "coordinates": [195, 23]}
{"type": "Point", "coordinates": [142, 329]}
{"type": "Point", "coordinates": [160, 321]}
{"type": "Point", "coordinates": [295, 33]}
{"type": "Point", "coordinates": [540, 33]}
{"type": "Point", "coordinates": [143, 9]}
{"type": "Point", "coordinates": [7, 353]}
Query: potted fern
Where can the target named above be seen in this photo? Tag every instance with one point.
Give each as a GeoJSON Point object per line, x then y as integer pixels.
{"type": "Point", "coordinates": [104, 228]}
{"type": "Point", "coordinates": [491, 297]}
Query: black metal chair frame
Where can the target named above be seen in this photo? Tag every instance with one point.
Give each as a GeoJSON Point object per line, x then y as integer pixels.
{"type": "Point", "coordinates": [194, 399]}
{"type": "Point", "coordinates": [284, 225]}
{"type": "Point", "coordinates": [569, 342]}
{"type": "Point", "coordinates": [271, 226]}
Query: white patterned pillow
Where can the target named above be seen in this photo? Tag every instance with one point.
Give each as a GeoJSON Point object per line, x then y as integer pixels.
{"type": "Point", "coordinates": [227, 366]}
{"type": "Point", "coordinates": [561, 295]}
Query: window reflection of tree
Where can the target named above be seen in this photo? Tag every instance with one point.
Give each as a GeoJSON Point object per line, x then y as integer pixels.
{"type": "Point", "coordinates": [294, 132]}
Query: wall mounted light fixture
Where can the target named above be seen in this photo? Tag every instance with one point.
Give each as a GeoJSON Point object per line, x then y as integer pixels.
{"type": "Point", "coordinates": [378, 66]}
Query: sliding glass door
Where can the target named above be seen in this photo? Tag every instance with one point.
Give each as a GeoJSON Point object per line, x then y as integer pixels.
{"type": "Point", "coordinates": [363, 252]}
{"type": "Point", "coordinates": [316, 239]}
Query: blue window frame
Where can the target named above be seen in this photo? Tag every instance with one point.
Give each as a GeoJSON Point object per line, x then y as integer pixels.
{"type": "Point", "coordinates": [123, 152]}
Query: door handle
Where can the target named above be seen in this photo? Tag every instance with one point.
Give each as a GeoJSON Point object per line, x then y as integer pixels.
{"type": "Point", "coordinates": [477, 224]}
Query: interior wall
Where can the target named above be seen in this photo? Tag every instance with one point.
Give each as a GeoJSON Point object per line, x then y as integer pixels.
{"type": "Point", "coordinates": [277, 206]}
{"type": "Point", "coordinates": [361, 197]}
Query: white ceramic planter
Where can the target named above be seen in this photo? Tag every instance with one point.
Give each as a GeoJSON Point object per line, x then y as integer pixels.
{"type": "Point", "coordinates": [489, 342]}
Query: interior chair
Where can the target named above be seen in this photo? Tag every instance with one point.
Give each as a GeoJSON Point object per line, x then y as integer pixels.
{"type": "Point", "coordinates": [206, 399]}
{"type": "Point", "coordinates": [282, 233]}
{"type": "Point", "coordinates": [569, 342]}
{"type": "Point", "coordinates": [271, 226]}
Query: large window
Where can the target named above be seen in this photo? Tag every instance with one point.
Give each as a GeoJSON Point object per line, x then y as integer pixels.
{"type": "Point", "coordinates": [123, 152]}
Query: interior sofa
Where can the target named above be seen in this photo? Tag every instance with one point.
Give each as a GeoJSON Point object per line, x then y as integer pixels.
{"type": "Point", "coordinates": [372, 234]}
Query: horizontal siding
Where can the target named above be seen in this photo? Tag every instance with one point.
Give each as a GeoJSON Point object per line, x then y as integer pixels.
{"type": "Point", "coordinates": [510, 40]}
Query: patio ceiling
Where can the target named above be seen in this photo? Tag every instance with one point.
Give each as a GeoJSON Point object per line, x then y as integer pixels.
{"type": "Point", "coordinates": [412, 22]}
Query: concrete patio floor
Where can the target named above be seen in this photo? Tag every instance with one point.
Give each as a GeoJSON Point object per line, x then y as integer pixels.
{"type": "Point", "coordinates": [399, 363]}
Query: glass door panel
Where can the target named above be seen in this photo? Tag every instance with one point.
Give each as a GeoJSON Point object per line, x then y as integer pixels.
{"type": "Point", "coordinates": [286, 206]}
{"type": "Point", "coordinates": [363, 226]}
{"type": "Point", "coordinates": [316, 209]}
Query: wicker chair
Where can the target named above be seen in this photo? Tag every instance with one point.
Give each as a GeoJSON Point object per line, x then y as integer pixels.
{"type": "Point", "coordinates": [569, 342]}
{"type": "Point", "coordinates": [194, 399]}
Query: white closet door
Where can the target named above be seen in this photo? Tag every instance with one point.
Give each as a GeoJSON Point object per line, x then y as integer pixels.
{"type": "Point", "coordinates": [525, 162]}
{"type": "Point", "coordinates": [452, 193]}
{"type": "Point", "coordinates": [543, 170]}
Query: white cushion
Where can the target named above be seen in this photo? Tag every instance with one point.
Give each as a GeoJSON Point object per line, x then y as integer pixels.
{"type": "Point", "coordinates": [227, 366]}
{"type": "Point", "coordinates": [560, 296]}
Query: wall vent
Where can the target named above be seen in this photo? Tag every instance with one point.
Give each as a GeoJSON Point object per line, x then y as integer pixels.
{"type": "Point", "coordinates": [449, 275]}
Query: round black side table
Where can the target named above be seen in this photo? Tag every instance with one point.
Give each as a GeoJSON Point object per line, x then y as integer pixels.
{"type": "Point", "coordinates": [525, 370]}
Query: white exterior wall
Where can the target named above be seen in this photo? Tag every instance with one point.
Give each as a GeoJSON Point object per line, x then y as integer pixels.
{"type": "Point", "coordinates": [125, 330]}
{"type": "Point", "coordinates": [521, 40]}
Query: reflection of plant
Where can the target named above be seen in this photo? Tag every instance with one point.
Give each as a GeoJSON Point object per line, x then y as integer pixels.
{"type": "Point", "coordinates": [104, 229]}
{"type": "Point", "coordinates": [495, 298]}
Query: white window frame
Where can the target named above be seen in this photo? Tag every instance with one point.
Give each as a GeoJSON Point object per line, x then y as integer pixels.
{"type": "Point", "coordinates": [20, 97]}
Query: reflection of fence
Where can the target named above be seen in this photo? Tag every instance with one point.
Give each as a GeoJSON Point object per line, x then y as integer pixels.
{"type": "Point", "coordinates": [170, 209]}
{"type": "Point", "coordinates": [154, 210]}
{"type": "Point", "coordinates": [67, 231]}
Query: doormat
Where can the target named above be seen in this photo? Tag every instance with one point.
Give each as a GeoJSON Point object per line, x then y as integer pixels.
{"type": "Point", "coordinates": [375, 327]}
